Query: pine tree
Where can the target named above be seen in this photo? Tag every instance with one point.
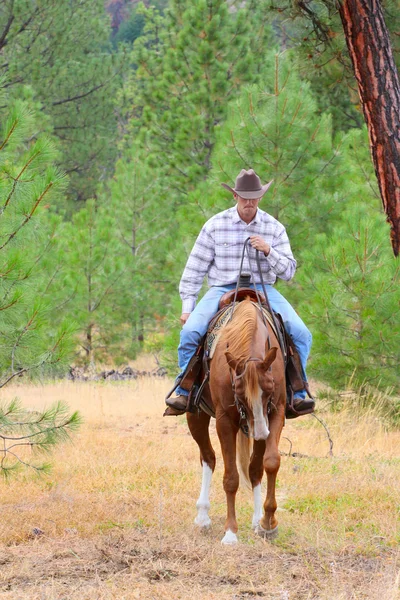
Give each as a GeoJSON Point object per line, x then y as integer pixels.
{"type": "Point", "coordinates": [29, 341]}
{"type": "Point", "coordinates": [276, 129]}
{"type": "Point", "coordinates": [139, 199]}
{"type": "Point", "coordinates": [94, 265]}
{"type": "Point", "coordinates": [57, 56]}
{"type": "Point", "coordinates": [353, 287]}
{"type": "Point", "coordinates": [28, 181]}
{"type": "Point", "coordinates": [190, 63]}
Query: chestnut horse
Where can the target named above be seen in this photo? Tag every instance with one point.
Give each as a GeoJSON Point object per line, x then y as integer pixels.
{"type": "Point", "coordinates": [247, 372]}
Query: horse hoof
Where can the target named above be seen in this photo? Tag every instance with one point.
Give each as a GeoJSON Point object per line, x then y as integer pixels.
{"type": "Point", "coordinates": [269, 534]}
{"type": "Point", "coordinates": [229, 539]}
{"type": "Point", "coordinates": [203, 523]}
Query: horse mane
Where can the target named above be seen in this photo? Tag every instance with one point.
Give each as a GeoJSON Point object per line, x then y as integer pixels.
{"type": "Point", "coordinates": [237, 337]}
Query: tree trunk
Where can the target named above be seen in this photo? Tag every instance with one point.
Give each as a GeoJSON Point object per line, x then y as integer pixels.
{"type": "Point", "coordinates": [378, 84]}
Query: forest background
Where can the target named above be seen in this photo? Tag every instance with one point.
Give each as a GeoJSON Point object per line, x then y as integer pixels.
{"type": "Point", "coordinates": [120, 120]}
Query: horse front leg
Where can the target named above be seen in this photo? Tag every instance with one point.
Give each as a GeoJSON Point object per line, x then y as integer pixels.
{"type": "Point", "coordinates": [227, 432]}
{"type": "Point", "coordinates": [198, 424]}
{"type": "Point", "coordinates": [256, 470]}
{"type": "Point", "coordinates": [268, 526]}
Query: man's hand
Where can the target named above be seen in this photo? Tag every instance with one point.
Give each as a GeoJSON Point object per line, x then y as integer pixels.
{"type": "Point", "coordinates": [259, 244]}
{"type": "Point", "coordinates": [184, 318]}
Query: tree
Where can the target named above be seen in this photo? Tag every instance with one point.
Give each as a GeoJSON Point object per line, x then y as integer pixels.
{"type": "Point", "coordinates": [276, 129]}
{"type": "Point", "coordinates": [190, 63]}
{"type": "Point", "coordinates": [59, 54]}
{"type": "Point", "coordinates": [350, 282]}
{"type": "Point", "coordinates": [378, 82]}
{"type": "Point", "coordinates": [374, 67]}
{"type": "Point", "coordinates": [93, 267]}
{"type": "Point", "coordinates": [139, 199]}
{"type": "Point", "coordinates": [29, 341]}
{"type": "Point", "coordinates": [28, 182]}
{"type": "Point", "coordinates": [353, 303]}
{"type": "Point", "coordinates": [24, 433]}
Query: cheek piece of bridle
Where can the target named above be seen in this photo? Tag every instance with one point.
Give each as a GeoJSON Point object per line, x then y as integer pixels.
{"type": "Point", "coordinates": [241, 408]}
{"type": "Point", "coordinates": [244, 421]}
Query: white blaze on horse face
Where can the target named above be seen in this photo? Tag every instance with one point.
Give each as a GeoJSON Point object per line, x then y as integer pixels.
{"type": "Point", "coordinates": [261, 430]}
{"type": "Point", "coordinates": [203, 503]}
{"type": "Point", "coordinates": [258, 508]}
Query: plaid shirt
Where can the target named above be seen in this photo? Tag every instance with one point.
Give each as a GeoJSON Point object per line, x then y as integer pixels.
{"type": "Point", "coordinates": [218, 251]}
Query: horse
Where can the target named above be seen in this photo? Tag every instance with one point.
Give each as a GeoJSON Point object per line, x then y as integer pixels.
{"type": "Point", "coordinates": [247, 383]}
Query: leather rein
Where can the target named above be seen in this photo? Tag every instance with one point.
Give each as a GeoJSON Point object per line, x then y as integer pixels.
{"type": "Point", "coordinates": [244, 420]}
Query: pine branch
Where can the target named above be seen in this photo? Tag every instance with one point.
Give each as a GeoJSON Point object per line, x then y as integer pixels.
{"type": "Point", "coordinates": [29, 216]}
{"type": "Point", "coordinates": [3, 40]}
{"type": "Point", "coordinates": [19, 431]}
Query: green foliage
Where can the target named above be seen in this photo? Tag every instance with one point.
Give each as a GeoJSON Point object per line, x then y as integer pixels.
{"type": "Point", "coordinates": [276, 129]}
{"type": "Point", "coordinates": [29, 180]}
{"type": "Point", "coordinates": [140, 202]}
{"type": "Point", "coordinates": [190, 63]}
{"type": "Point", "coordinates": [352, 285]}
{"type": "Point", "coordinates": [29, 341]}
{"type": "Point", "coordinates": [93, 267]}
{"type": "Point", "coordinates": [212, 87]}
{"type": "Point", "coordinates": [354, 303]}
{"type": "Point", "coordinates": [26, 434]}
{"type": "Point", "coordinates": [56, 55]}
{"type": "Point", "coordinates": [130, 28]}
{"type": "Point", "coordinates": [314, 30]}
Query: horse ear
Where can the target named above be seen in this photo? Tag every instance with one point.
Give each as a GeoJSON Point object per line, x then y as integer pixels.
{"type": "Point", "coordinates": [269, 357]}
{"type": "Point", "coordinates": [232, 362]}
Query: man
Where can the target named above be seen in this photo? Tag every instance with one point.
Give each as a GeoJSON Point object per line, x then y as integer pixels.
{"type": "Point", "coordinates": [217, 253]}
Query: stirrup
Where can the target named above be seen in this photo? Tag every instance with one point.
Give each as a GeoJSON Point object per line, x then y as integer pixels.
{"type": "Point", "coordinates": [291, 412]}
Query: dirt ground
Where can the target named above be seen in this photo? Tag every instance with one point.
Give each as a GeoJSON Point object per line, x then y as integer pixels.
{"type": "Point", "coordinates": [114, 520]}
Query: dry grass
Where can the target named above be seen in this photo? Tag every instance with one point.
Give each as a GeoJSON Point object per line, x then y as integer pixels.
{"type": "Point", "coordinates": [117, 511]}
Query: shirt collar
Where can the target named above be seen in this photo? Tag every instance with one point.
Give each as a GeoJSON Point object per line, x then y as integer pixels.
{"type": "Point", "coordinates": [237, 219]}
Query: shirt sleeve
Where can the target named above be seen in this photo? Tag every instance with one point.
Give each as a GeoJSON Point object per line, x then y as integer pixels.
{"type": "Point", "coordinates": [197, 266]}
{"type": "Point", "coordinates": [280, 257]}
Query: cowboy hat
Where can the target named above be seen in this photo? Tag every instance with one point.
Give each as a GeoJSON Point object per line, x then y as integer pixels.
{"type": "Point", "coordinates": [248, 185]}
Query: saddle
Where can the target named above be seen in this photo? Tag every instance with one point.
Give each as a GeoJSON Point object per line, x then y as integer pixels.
{"type": "Point", "coordinates": [196, 376]}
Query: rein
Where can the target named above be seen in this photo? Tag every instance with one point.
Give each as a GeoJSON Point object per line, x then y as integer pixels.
{"type": "Point", "coordinates": [277, 328]}
{"type": "Point", "coordinates": [239, 405]}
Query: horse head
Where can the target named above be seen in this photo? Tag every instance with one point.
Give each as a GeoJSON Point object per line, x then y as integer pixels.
{"type": "Point", "coordinates": [253, 387]}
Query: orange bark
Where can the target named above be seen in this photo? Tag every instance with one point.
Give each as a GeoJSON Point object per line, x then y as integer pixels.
{"type": "Point", "coordinates": [370, 50]}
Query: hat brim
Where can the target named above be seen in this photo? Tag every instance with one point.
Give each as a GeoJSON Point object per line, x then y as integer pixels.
{"type": "Point", "coordinates": [249, 195]}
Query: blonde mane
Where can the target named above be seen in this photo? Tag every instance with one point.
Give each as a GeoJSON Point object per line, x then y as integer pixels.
{"type": "Point", "coordinates": [237, 338]}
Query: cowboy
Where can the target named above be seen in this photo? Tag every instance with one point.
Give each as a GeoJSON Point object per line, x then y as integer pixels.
{"type": "Point", "coordinates": [217, 254]}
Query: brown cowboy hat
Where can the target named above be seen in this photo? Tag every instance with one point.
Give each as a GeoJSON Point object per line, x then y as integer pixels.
{"type": "Point", "coordinates": [248, 185]}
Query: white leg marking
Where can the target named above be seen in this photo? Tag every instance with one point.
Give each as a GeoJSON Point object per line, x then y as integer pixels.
{"type": "Point", "coordinates": [258, 510]}
{"type": "Point", "coordinates": [229, 538]}
{"type": "Point", "coordinates": [261, 431]}
{"type": "Point", "coordinates": [203, 503]}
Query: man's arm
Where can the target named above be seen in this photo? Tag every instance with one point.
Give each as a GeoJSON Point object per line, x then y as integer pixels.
{"type": "Point", "coordinates": [197, 266]}
{"type": "Point", "coordinates": [279, 256]}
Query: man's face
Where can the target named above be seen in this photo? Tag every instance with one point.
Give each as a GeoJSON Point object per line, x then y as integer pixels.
{"type": "Point", "coordinates": [247, 208]}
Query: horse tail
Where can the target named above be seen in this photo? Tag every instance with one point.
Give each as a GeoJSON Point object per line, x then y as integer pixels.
{"type": "Point", "coordinates": [244, 448]}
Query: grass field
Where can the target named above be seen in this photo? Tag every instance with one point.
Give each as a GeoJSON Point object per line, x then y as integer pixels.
{"type": "Point", "coordinates": [115, 517]}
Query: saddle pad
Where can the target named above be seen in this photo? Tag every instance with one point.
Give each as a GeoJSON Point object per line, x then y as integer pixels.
{"type": "Point", "coordinates": [215, 333]}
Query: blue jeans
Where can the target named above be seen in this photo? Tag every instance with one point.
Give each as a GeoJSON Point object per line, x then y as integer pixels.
{"type": "Point", "coordinates": [197, 323]}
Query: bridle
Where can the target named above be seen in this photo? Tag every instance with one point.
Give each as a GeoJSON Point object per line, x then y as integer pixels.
{"type": "Point", "coordinates": [244, 419]}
